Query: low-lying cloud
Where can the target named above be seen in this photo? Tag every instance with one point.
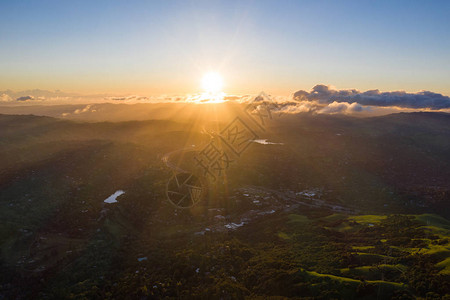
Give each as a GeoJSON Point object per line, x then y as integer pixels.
{"type": "Point", "coordinates": [82, 110]}
{"type": "Point", "coordinates": [343, 107]}
{"type": "Point", "coordinates": [5, 98]}
{"type": "Point", "coordinates": [322, 99]}
{"type": "Point", "coordinates": [25, 98]}
{"type": "Point", "coordinates": [293, 107]}
{"type": "Point", "coordinates": [129, 98]}
{"type": "Point", "coordinates": [421, 100]}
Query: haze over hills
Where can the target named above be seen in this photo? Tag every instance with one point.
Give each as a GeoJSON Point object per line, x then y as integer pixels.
{"type": "Point", "coordinates": [408, 152]}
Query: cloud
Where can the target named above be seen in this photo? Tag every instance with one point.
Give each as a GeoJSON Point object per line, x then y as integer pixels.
{"type": "Point", "coordinates": [322, 99]}
{"type": "Point", "coordinates": [25, 98]}
{"type": "Point", "coordinates": [291, 107]}
{"type": "Point", "coordinates": [87, 108]}
{"type": "Point", "coordinates": [232, 98]}
{"type": "Point", "coordinates": [421, 100]}
{"type": "Point", "coordinates": [276, 104]}
{"type": "Point", "coordinates": [128, 98]}
{"type": "Point", "coordinates": [83, 110]}
{"type": "Point", "coordinates": [5, 98]}
{"type": "Point", "coordinates": [343, 107]}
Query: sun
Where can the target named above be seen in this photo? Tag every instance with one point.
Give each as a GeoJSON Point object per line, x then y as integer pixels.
{"type": "Point", "coordinates": [212, 82]}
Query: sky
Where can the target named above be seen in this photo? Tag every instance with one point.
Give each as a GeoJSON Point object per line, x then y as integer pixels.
{"type": "Point", "coordinates": [165, 47]}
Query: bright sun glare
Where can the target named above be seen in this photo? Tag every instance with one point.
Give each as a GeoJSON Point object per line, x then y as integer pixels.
{"type": "Point", "coordinates": [212, 82]}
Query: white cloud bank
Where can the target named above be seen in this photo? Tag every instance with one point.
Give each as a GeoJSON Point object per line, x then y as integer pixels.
{"type": "Point", "coordinates": [421, 100]}
{"type": "Point", "coordinates": [321, 99]}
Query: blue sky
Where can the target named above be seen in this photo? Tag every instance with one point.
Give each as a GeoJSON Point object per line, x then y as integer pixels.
{"type": "Point", "coordinates": [164, 47]}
